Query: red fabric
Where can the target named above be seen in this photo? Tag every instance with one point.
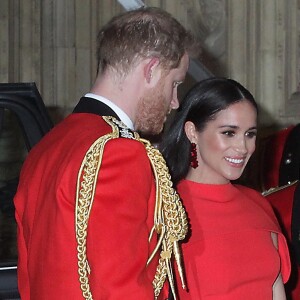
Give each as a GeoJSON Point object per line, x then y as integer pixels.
{"type": "Point", "coordinates": [273, 150]}
{"type": "Point", "coordinates": [282, 202]}
{"type": "Point", "coordinates": [119, 224]}
{"type": "Point", "coordinates": [230, 254]}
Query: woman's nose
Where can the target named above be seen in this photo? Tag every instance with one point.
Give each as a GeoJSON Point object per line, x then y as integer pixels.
{"type": "Point", "coordinates": [241, 146]}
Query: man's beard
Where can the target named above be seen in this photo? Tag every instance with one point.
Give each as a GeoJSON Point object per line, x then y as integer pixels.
{"type": "Point", "coordinates": [151, 113]}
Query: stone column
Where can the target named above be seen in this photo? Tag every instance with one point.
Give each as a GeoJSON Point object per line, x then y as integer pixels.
{"type": "Point", "coordinates": [263, 53]}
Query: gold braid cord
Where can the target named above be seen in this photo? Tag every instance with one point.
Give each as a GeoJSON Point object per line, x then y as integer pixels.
{"type": "Point", "coordinates": [170, 220]}
{"type": "Point", "coordinates": [86, 185]}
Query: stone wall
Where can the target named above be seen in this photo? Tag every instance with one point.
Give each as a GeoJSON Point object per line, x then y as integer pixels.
{"type": "Point", "coordinates": [256, 42]}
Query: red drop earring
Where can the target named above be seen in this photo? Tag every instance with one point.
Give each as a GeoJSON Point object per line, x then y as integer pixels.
{"type": "Point", "coordinates": [194, 161]}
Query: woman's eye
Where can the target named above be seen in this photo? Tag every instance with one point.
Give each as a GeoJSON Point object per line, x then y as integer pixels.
{"type": "Point", "coordinates": [251, 134]}
{"type": "Point", "coordinates": [228, 133]}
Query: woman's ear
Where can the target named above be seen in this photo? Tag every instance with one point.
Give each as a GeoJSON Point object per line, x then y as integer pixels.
{"type": "Point", "coordinates": [190, 131]}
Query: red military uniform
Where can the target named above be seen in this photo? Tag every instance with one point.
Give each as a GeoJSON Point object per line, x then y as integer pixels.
{"type": "Point", "coordinates": [283, 201]}
{"type": "Point", "coordinates": [119, 223]}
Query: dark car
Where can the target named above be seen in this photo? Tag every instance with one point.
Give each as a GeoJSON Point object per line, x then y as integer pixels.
{"type": "Point", "coordinates": [24, 120]}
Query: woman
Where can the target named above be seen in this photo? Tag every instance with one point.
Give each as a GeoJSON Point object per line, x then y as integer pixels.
{"type": "Point", "coordinates": [236, 249]}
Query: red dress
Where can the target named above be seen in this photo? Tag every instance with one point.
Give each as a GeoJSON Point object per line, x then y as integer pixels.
{"type": "Point", "coordinates": [119, 224]}
{"type": "Point", "coordinates": [230, 254]}
{"type": "Point", "coordinates": [282, 200]}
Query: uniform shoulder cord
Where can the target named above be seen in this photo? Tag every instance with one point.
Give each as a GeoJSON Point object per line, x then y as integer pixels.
{"type": "Point", "coordinates": [170, 221]}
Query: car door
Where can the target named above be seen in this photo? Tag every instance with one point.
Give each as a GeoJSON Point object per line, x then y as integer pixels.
{"type": "Point", "coordinates": [24, 120]}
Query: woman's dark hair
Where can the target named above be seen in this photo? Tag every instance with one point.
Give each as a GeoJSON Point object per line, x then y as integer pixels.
{"type": "Point", "coordinates": [200, 105]}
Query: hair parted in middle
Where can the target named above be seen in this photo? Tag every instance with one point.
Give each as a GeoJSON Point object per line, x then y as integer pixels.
{"type": "Point", "coordinates": [141, 33]}
{"type": "Point", "coordinates": [201, 104]}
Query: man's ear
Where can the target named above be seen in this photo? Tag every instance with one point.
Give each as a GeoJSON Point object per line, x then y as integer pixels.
{"type": "Point", "coordinates": [190, 131]}
{"type": "Point", "coordinates": [152, 70]}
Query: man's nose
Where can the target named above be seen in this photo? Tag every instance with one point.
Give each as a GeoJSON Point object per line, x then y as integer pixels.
{"type": "Point", "coordinates": [174, 102]}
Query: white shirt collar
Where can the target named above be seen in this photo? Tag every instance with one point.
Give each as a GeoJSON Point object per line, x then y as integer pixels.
{"type": "Point", "coordinates": [121, 114]}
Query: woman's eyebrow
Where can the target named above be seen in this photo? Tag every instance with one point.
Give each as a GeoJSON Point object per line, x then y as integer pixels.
{"type": "Point", "coordinates": [229, 126]}
{"type": "Point", "coordinates": [235, 127]}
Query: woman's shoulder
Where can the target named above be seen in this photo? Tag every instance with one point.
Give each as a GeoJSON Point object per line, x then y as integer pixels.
{"type": "Point", "coordinates": [248, 191]}
{"type": "Point", "coordinates": [257, 198]}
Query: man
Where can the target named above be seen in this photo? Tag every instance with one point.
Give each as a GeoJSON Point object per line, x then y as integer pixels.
{"type": "Point", "coordinates": [87, 196]}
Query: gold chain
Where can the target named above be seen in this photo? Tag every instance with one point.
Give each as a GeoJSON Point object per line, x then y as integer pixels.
{"type": "Point", "coordinates": [170, 220]}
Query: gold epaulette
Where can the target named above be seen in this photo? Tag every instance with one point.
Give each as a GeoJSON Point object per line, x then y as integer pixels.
{"type": "Point", "coordinates": [170, 221]}
{"type": "Point", "coordinates": [278, 188]}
